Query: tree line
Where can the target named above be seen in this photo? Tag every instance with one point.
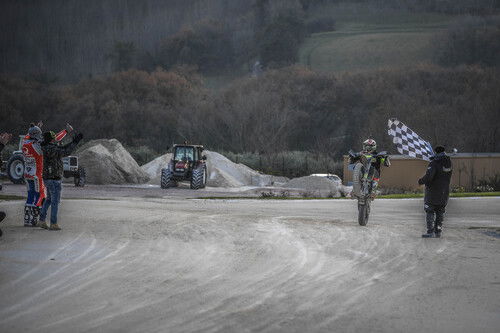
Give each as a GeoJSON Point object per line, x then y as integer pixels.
{"type": "Point", "coordinates": [285, 109]}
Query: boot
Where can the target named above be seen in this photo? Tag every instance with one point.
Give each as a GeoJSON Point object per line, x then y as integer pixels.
{"type": "Point", "coordinates": [54, 227]}
{"type": "Point", "coordinates": [429, 219]}
{"type": "Point", "coordinates": [43, 225]}
{"type": "Point", "coordinates": [439, 222]}
{"type": "Point", "coordinates": [35, 213]}
{"type": "Point", "coordinates": [429, 234]}
{"type": "Point", "coordinates": [27, 216]}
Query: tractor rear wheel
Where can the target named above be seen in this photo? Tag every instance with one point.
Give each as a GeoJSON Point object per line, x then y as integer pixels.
{"type": "Point", "coordinates": [166, 180]}
{"type": "Point", "coordinates": [199, 177]}
{"type": "Point", "coordinates": [15, 169]}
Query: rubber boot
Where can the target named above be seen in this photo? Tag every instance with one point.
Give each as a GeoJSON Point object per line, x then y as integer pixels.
{"type": "Point", "coordinates": [439, 223]}
{"type": "Point", "coordinates": [35, 213]}
{"type": "Point", "coordinates": [429, 218]}
{"type": "Point", "coordinates": [27, 216]}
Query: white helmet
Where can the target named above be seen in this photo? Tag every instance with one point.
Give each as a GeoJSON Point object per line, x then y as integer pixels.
{"type": "Point", "coordinates": [35, 132]}
{"type": "Point", "coordinates": [369, 145]}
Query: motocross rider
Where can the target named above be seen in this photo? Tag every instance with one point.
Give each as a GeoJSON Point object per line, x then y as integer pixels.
{"type": "Point", "coordinates": [370, 148]}
{"type": "Point", "coordinates": [33, 172]}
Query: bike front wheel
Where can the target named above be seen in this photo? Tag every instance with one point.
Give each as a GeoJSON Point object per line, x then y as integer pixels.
{"type": "Point", "coordinates": [363, 212]}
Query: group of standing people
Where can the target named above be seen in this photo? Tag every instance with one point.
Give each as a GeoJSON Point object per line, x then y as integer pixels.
{"type": "Point", "coordinates": [43, 172]}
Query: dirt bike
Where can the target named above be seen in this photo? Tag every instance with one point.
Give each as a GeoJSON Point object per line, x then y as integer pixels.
{"type": "Point", "coordinates": [362, 180]}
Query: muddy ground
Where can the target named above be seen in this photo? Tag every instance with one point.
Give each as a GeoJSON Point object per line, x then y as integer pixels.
{"type": "Point", "coordinates": [142, 260]}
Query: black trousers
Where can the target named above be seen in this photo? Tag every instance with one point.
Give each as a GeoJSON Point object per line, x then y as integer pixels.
{"type": "Point", "coordinates": [434, 217]}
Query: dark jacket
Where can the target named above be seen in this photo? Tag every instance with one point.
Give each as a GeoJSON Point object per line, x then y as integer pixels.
{"type": "Point", "coordinates": [52, 159]}
{"type": "Point", "coordinates": [1, 148]}
{"type": "Point", "coordinates": [437, 180]}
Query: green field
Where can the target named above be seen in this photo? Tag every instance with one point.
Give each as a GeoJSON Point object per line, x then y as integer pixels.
{"type": "Point", "coordinates": [371, 43]}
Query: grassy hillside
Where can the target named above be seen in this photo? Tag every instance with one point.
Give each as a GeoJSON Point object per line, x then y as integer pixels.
{"type": "Point", "coordinates": [372, 43]}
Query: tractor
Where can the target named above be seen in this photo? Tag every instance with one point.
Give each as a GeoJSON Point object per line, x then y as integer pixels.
{"type": "Point", "coordinates": [187, 164]}
{"type": "Point", "coordinates": [15, 167]}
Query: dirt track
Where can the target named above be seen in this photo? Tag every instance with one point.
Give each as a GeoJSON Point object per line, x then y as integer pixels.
{"type": "Point", "coordinates": [177, 265]}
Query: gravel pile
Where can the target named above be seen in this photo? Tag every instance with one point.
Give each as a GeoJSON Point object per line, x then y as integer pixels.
{"type": "Point", "coordinates": [153, 168]}
{"type": "Point", "coordinates": [317, 186]}
{"type": "Point", "coordinates": [225, 173]}
{"type": "Point", "coordinates": [108, 162]}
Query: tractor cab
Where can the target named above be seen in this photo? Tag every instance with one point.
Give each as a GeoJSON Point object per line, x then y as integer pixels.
{"type": "Point", "coordinates": [185, 159]}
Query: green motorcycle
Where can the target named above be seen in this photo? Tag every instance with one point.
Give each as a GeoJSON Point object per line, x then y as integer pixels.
{"type": "Point", "coordinates": [365, 179]}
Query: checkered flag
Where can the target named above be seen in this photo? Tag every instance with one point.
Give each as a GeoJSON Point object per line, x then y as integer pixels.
{"type": "Point", "coordinates": [408, 142]}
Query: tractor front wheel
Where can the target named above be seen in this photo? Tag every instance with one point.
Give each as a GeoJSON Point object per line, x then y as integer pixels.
{"type": "Point", "coordinates": [199, 178]}
{"type": "Point", "coordinates": [166, 180]}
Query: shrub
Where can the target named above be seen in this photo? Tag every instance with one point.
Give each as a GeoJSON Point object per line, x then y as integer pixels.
{"type": "Point", "coordinates": [490, 184]}
{"type": "Point", "coordinates": [471, 40]}
{"type": "Point", "coordinates": [142, 154]}
{"type": "Point", "coordinates": [458, 189]}
{"type": "Point", "coordinates": [280, 40]}
{"type": "Point", "coordinates": [206, 45]}
{"type": "Point", "coordinates": [289, 163]}
{"type": "Point", "coordinates": [321, 24]}
{"type": "Point", "coordinates": [122, 56]}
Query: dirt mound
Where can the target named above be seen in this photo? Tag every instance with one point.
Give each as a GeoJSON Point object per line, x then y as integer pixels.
{"type": "Point", "coordinates": [153, 168]}
{"type": "Point", "coordinates": [222, 172]}
{"type": "Point", "coordinates": [225, 173]}
{"type": "Point", "coordinates": [318, 186]}
{"type": "Point", "coordinates": [108, 162]}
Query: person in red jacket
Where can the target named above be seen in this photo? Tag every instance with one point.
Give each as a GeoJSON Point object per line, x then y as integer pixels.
{"type": "Point", "coordinates": [4, 138]}
{"type": "Point", "coordinates": [33, 172]}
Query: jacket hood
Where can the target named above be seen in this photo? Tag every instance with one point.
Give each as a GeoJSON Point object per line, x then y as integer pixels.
{"type": "Point", "coordinates": [443, 159]}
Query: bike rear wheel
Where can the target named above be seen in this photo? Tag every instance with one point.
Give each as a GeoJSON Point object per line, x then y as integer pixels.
{"type": "Point", "coordinates": [357, 179]}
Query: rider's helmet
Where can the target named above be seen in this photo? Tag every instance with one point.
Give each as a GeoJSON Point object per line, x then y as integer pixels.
{"type": "Point", "coordinates": [369, 146]}
{"type": "Point", "coordinates": [34, 132]}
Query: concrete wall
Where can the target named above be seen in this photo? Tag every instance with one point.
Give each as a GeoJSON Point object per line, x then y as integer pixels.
{"type": "Point", "coordinates": [468, 170]}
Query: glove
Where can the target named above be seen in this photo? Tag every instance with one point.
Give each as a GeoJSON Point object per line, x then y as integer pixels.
{"type": "Point", "coordinates": [78, 138]}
